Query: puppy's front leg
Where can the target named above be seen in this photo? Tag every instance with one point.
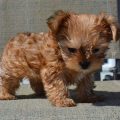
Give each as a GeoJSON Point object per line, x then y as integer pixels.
{"type": "Point", "coordinates": [85, 91]}
{"type": "Point", "coordinates": [55, 87]}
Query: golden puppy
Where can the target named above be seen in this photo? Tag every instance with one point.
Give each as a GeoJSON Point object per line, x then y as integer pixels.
{"type": "Point", "coordinates": [72, 50]}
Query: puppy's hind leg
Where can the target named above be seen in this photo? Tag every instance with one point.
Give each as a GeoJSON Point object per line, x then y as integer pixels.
{"type": "Point", "coordinates": [37, 86]}
{"type": "Point", "coordinates": [8, 86]}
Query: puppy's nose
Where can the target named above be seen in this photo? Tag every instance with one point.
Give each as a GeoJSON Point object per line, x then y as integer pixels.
{"type": "Point", "coordinates": [85, 64]}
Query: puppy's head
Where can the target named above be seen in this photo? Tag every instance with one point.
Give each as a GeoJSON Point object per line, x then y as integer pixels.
{"type": "Point", "coordinates": [83, 38]}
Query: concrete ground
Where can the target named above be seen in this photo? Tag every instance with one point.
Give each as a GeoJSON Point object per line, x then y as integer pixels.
{"type": "Point", "coordinates": [30, 107]}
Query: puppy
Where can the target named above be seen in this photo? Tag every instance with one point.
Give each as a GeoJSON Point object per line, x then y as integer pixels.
{"type": "Point", "coordinates": [72, 50]}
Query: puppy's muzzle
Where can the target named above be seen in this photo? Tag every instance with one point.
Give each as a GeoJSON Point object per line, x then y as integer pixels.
{"type": "Point", "coordinates": [85, 64]}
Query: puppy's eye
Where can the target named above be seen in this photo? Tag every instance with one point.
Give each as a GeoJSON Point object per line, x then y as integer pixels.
{"type": "Point", "coordinates": [95, 50]}
{"type": "Point", "coordinates": [72, 50]}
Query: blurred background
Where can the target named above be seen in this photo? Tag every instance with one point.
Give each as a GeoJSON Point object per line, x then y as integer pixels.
{"type": "Point", "coordinates": [30, 16]}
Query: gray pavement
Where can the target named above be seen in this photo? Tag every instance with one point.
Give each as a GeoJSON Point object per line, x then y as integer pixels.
{"type": "Point", "coordinates": [30, 107]}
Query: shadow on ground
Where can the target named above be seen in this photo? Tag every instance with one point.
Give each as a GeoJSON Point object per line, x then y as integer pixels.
{"type": "Point", "coordinates": [110, 98]}
{"type": "Point", "coordinates": [31, 96]}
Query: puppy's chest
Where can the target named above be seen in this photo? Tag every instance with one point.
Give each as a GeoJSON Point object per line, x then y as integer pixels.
{"type": "Point", "coordinates": [79, 77]}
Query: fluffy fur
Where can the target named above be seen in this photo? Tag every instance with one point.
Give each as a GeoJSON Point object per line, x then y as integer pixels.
{"type": "Point", "coordinates": [72, 50]}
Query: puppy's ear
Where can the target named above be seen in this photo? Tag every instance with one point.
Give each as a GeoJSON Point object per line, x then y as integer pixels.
{"type": "Point", "coordinates": [56, 20]}
{"type": "Point", "coordinates": [109, 26]}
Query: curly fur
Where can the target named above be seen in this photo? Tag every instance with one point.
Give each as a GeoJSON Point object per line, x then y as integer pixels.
{"type": "Point", "coordinates": [46, 60]}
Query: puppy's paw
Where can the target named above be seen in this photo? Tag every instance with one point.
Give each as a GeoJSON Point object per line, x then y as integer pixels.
{"type": "Point", "coordinates": [7, 97]}
{"type": "Point", "coordinates": [65, 103]}
{"type": "Point", "coordinates": [92, 99]}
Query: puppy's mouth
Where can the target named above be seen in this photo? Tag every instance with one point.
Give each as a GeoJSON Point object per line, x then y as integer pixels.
{"type": "Point", "coordinates": [85, 70]}
{"type": "Point", "coordinates": [86, 67]}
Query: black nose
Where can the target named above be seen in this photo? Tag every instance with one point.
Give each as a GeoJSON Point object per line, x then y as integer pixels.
{"type": "Point", "coordinates": [85, 64]}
